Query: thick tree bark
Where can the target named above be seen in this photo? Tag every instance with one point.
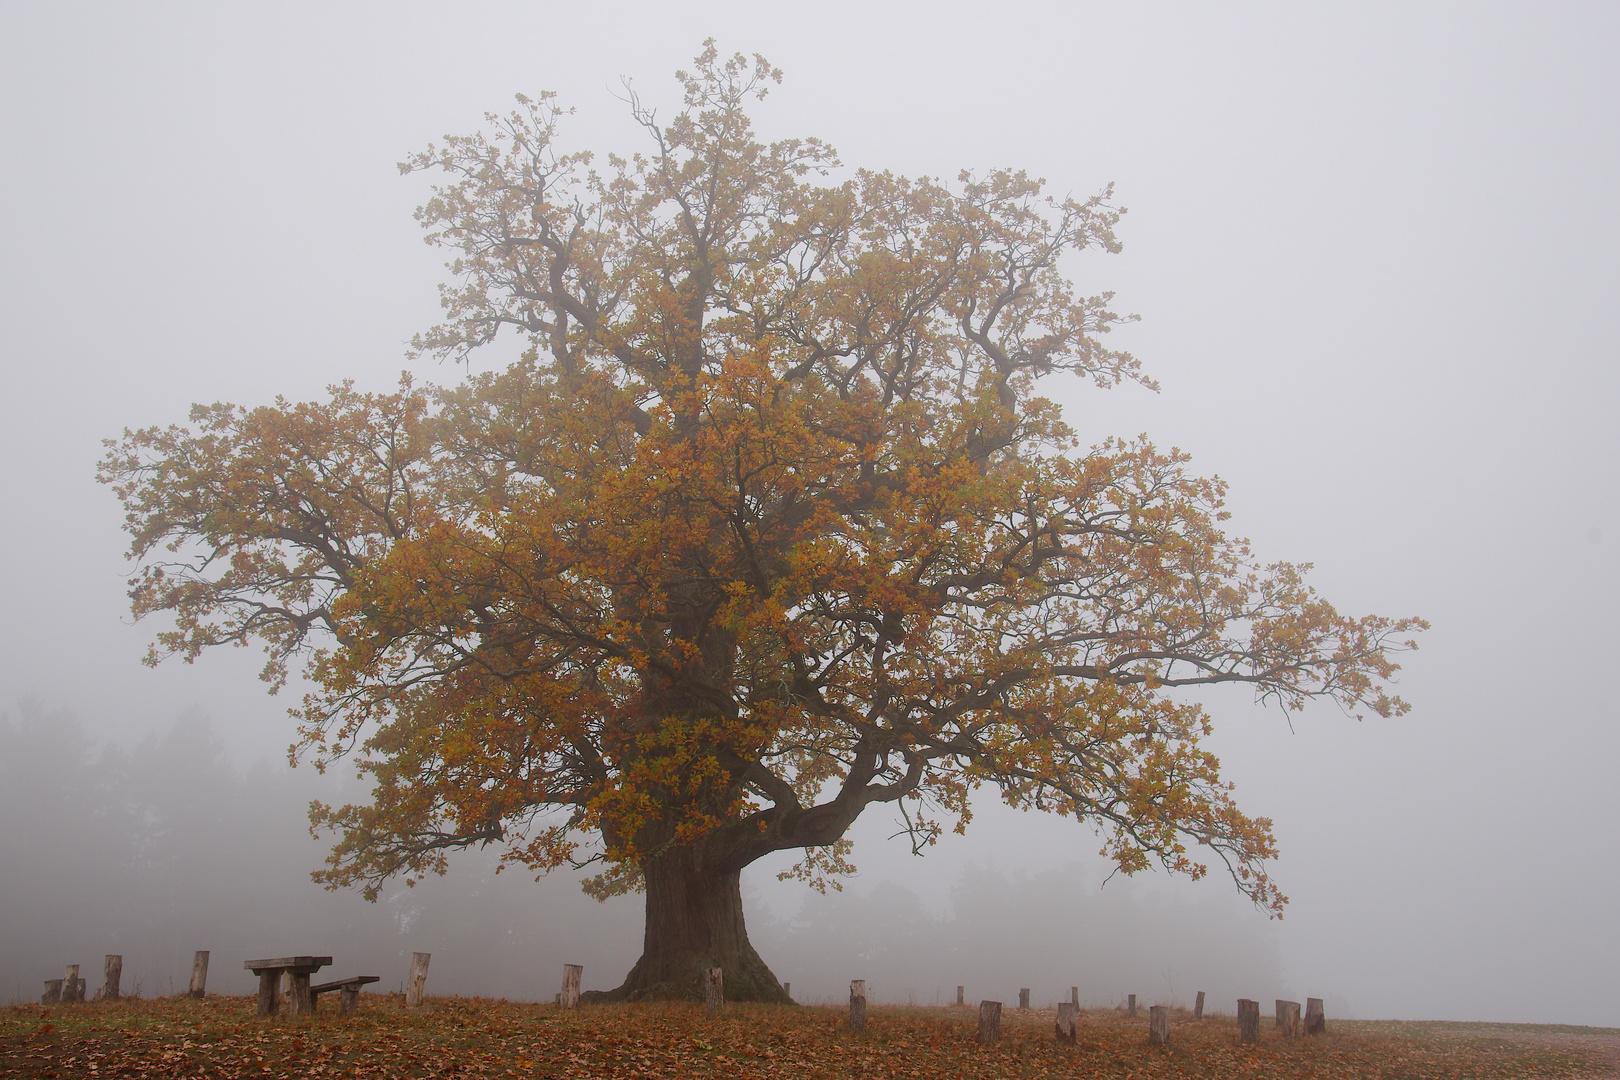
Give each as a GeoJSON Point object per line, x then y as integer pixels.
{"type": "Point", "coordinates": [694, 922]}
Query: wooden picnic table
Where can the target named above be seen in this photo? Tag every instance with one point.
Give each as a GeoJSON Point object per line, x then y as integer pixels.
{"type": "Point", "coordinates": [269, 971]}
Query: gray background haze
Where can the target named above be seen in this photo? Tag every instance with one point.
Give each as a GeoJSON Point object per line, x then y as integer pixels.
{"type": "Point", "coordinates": [1376, 248]}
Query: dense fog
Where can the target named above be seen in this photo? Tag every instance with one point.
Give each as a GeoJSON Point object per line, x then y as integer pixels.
{"type": "Point", "coordinates": [1374, 248]}
{"type": "Point", "coordinates": [168, 847]}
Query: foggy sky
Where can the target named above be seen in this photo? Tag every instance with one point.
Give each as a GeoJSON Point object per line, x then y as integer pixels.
{"type": "Point", "coordinates": [1375, 252]}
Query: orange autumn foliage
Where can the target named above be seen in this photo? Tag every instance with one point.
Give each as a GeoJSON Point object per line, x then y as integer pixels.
{"type": "Point", "coordinates": [770, 522]}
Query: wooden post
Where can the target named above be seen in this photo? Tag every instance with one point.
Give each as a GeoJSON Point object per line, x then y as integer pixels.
{"type": "Point", "coordinates": [348, 999]}
{"type": "Point", "coordinates": [53, 992]}
{"type": "Point", "coordinates": [1130, 1006]}
{"type": "Point", "coordinates": [1023, 998]}
{"type": "Point", "coordinates": [1065, 1022]}
{"type": "Point", "coordinates": [199, 973]}
{"type": "Point", "coordinates": [1074, 997]}
{"type": "Point", "coordinates": [787, 990]}
{"type": "Point", "coordinates": [857, 1005]}
{"type": "Point", "coordinates": [572, 976]}
{"type": "Point", "coordinates": [1288, 1017]}
{"type": "Point", "coordinates": [959, 1000]}
{"type": "Point", "coordinates": [1159, 1025]}
{"type": "Point", "coordinates": [1198, 1007]}
{"type": "Point", "coordinates": [72, 985]}
{"type": "Point", "coordinates": [1248, 1021]}
{"type": "Point", "coordinates": [989, 1022]}
{"type": "Point", "coordinates": [1315, 1018]}
{"type": "Point", "coordinates": [112, 973]}
{"type": "Point", "coordinates": [417, 979]}
{"type": "Point", "coordinates": [269, 984]}
{"type": "Point", "coordinates": [714, 990]}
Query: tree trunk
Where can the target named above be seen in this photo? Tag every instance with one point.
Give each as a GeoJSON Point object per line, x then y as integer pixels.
{"type": "Point", "coordinates": [694, 922]}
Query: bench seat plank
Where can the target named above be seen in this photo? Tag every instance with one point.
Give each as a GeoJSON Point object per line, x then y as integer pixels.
{"type": "Point", "coordinates": [344, 984]}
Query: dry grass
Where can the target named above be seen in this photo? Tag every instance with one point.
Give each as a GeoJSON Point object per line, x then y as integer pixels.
{"type": "Point", "coordinates": [220, 1037]}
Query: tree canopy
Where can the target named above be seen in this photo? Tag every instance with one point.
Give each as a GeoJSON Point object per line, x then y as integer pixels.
{"type": "Point", "coordinates": [770, 522]}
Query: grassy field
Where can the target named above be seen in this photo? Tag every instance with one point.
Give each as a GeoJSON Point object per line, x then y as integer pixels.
{"type": "Point", "coordinates": [220, 1037]}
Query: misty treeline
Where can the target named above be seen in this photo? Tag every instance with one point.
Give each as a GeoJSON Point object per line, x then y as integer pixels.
{"type": "Point", "coordinates": [157, 850]}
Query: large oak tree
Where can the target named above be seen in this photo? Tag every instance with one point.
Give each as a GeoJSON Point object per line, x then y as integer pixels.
{"type": "Point", "coordinates": [768, 524]}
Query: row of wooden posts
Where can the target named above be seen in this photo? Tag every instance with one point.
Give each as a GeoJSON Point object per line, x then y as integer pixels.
{"type": "Point", "coordinates": [71, 986]}
{"type": "Point", "coordinates": [1288, 1017]}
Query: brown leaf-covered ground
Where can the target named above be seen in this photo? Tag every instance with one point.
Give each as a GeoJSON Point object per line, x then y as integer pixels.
{"type": "Point", "coordinates": [220, 1037]}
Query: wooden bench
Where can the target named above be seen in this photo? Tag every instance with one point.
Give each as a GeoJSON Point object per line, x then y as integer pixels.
{"type": "Point", "coordinates": [349, 999]}
{"type": "Point", "coordinates": [302, 1002]}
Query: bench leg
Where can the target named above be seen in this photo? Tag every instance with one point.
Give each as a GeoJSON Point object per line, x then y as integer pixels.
{"type": "Point", "coordinates": [269, 978]}
{"type": "Point", "coordinates": [350, 1000]}
{"type": "Point", "coordinates": [303, 1002]}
